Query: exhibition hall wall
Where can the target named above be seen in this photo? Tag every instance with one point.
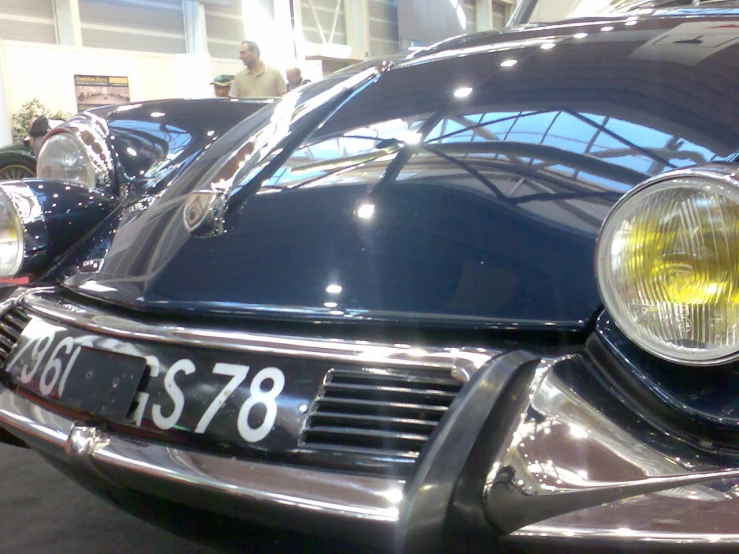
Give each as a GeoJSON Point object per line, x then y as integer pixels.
{"type": "Point", "coordinates": [174, 48]}
{"type": "Point", "coordinates": [47, 72]}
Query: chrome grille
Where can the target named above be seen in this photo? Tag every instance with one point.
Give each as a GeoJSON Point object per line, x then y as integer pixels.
{"type": "Point", "coordinates": [377, 411]}
{"type": "Point", "coordinates": [11, 327]}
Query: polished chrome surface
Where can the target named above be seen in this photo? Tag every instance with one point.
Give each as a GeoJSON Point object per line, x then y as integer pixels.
{"type": "Point", "coordinates": [461, 362]}
{"type": "Point", "coordinates": [83, 441]}
{"type": "Point", "coordinates": [20, 416]}
{"type": "Point", "coordinates": [725, 174]}
{"type": "Point", "coordinates": [322, 493]}
{"type": "Point", "coordinates": [719, 175]}
{"type": "Point", "coordinates": [92, 130]}
{"type": "Point", "coordinates": [203, 212]}
{"type": "Point", "coordinates": [699, 515]}
{"type": "Point", "coordinates": [31, 215]}
{"type": "Point", "coordinates": [378, 410]}
{"type": "Point", "coordinates": [566, 455]}
{"type": "Point", "coordinates": [451, 472]}
{"type": "Point", "coordinates": [11, 327]}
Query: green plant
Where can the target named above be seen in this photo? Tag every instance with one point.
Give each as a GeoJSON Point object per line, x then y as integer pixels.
{"type": "Point", "coordinates": [31, 109]}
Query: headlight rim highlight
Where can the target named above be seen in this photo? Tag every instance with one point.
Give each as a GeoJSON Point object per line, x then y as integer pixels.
{"type": "Point", "coordinates": [8, 197]}
{"type": "Point", "coordinates": [44, 153]}
{"type": "Point", "coordinates": [723, 179]}
{"type": "Point", "coordinates": [91, 131]}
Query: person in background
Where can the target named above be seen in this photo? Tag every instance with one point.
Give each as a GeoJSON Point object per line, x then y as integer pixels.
{"type": "Point", "coordinates": [39, 128]}
{"type": "Point", "coordinates": [257, 79]}
{"type": "Point", "coordinates": [295, 78]}
{"type": "Point", "coordinates": [222, 85]}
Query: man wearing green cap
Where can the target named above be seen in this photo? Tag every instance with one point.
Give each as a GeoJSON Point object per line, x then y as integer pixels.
{"type": "Point", "coordinates": [222, 85]}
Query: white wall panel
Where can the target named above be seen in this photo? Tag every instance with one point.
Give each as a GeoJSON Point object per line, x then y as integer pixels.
{"type": "Point", "coordinates": [227, 27]}
{"type": "Point", "coordinates": [143, 25]}
{"type": "Point", "coordinates": [469, 12]}
{"type": "Point", "coordinates": [151, 76]}
{"type": "Point", "coordinates": [323, 13]}
{"type": "Point", "coordinates": [113, 38]}
{"type": "Point", "coordinates": [501, 13]}
{"type": "Point", "coordinates": [383, 27]}
{"type": "Point", "coordinates": [27, 20]}
{"type": "Point", "coordinates": [31, 8]}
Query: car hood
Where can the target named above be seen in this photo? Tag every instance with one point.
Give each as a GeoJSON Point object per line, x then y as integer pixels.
{"type": "Point", "coordinates": [529, 139]}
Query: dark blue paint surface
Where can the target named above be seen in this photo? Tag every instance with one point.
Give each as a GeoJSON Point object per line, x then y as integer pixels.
{"type": "Point", "coordinates": [487, 218]}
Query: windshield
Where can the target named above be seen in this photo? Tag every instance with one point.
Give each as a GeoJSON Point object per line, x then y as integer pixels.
{"type": "Point", "coordinates": [547, 11]}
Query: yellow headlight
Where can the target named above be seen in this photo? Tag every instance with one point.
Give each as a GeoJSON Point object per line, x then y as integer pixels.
{"type": "Point", "coordinates": [668, 268]}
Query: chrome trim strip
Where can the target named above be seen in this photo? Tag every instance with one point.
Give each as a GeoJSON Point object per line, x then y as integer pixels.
{"type": "Point", "coordinates": [122, 460]}
{"type": "Point", "coordinates": [622, 535]}
{"type": "Point", "coordinates": [461, 362]}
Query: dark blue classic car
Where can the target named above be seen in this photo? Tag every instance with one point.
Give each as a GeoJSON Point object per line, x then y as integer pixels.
{"type": "Point", "coordinates": [485, 296]}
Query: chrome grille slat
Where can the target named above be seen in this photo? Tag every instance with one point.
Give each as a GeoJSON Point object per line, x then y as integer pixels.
{"type": "Point", "coordinates": [380, 404]}
{"type": "Point", "coordinates": [389, 389]}
{"type": "Point", "coordinates": [7, 343]}
{"type": "Point", "coordinates": [317, 429]}
{"type": "Point", "coordinates": [388, 413]}
{"type": "Point", "coordinates": [398, 375]}
{"type": "Point", "coordinates": [374, 419]}
{"type": "Point", "coordinates": [12, 324]}
{"type": "Point", "coordinates": [399, 457]}
{"type": "Point", "coordinates": [17, 319]}
{"type": "Point", "coordinates": [9, 330]}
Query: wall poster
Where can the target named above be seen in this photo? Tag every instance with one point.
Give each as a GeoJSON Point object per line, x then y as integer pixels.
{"type": "Point", "coordinates": [98, 90]}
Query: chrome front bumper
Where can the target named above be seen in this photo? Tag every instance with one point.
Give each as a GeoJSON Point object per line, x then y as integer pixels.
{"type": "Point", "coordinates": [533, 452]}
{"type": "Point", "coordinates": [327, 502]}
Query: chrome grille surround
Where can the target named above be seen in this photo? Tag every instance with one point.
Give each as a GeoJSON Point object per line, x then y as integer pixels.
{"type": "Point", "coordinates": [378, 411]}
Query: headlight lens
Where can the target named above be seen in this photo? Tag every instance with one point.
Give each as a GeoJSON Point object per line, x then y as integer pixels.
{"type": "Point", "coordinates": [64, 157]}
{"type": "Point", "coordinates": [668, 269]}
{"type": "Point", "coordinates": [11, 238]}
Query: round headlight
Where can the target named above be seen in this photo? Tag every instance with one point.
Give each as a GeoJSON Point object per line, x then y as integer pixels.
{"type": "Point", "coordinates": [11, 238]}
{"type": "Point", "coordinates": [64, 157]}
{"type": "Point", "coordinates": [668, 267]}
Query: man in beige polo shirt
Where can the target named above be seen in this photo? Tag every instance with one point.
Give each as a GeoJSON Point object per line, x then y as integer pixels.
{"type": "Point", "coordinates": [257, 79]}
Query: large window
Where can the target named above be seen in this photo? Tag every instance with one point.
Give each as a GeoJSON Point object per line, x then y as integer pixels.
{"type": "Point", "coordinates": [501, 12]}
{"type": "Point", "coordinates": [145, 25]}
{"type": "Point", "coordinates": [27, 20]}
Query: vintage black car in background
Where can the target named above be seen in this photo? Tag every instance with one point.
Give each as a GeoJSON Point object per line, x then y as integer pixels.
{"type": "Point", "coordinates": [17, 162]}
{"type": "Point", "coordinates": [485, 295]}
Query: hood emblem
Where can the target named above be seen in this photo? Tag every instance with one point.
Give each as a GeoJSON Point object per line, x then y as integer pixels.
{"type": "Point", "coordinates": [202, 213]}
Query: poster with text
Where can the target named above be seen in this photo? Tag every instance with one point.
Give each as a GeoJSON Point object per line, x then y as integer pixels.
{"type": "Point", "coordinates": [100, 90]}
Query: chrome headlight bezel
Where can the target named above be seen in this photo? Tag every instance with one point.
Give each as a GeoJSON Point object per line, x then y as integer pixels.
{"type": "Point", "coordinates": [52, 217]}
{"type": "Point", "coordinates": [33, 237]}
{"type": "Point", "coordinates": [722, 180]}
{"type": "Point", "coordinates": [91, 132]}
